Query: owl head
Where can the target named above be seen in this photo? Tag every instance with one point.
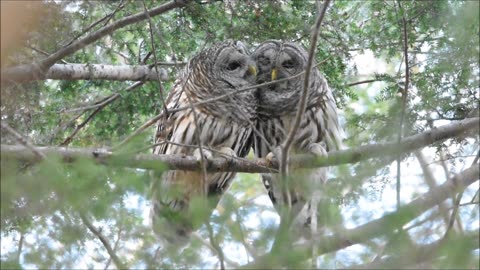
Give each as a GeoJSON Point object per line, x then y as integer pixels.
{"type": "Point", "coordinates": [223, 68]}
{"type": "Point", "coordinates": [278, 60]}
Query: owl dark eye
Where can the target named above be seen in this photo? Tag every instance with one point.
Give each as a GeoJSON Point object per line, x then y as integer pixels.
{"type": "Point", "coordinates": [233, 65]}
{"type": "Point", "coordinates": [288, 64]}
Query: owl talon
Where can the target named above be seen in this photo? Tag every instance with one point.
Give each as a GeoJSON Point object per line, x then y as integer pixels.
{"type": "Point", "coordinates": [272, 157]}
{"type": "Point", "coordinates": [227, 152]}
{"type": "Point", "coordinates": [317, 149]}
{"type": "Point", "coordinates": [207, 154]}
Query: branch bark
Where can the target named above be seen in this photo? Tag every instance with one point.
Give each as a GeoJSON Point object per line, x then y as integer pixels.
{"type": "Point", "coordinates": [384, 225]}
{"type": "Point", "coordinates": [179, 162]}
{"type": "Point", "coordinates": [94, 72]}
{"type": "Point", "coordinates": [34, 71]}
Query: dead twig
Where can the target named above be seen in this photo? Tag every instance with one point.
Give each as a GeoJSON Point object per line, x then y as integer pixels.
{"type": "Point", "coordinates": [118, 263]}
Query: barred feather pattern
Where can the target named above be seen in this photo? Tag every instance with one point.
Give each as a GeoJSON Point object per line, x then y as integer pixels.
{"type": "Point", "coordinates": [223, 123]}
{"type": "Point", "coordinates": [319, 130]}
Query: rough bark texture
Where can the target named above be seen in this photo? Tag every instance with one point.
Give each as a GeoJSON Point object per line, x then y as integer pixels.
{"type": "Point", "coordinates": [176, 162]}
{"type": "Point", "coordinates": [93, 72]}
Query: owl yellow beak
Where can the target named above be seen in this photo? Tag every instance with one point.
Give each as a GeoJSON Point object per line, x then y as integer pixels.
{"type": "Point", "coordinates": [252, 70]}
{"type": "Point", "coordinates": [274, 74]}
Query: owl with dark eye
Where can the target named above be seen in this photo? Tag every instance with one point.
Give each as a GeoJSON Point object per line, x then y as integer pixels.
{"type": "Point", "coordinates": [221, 127]}
{"type": "Point", "coordinates": [319, 130]}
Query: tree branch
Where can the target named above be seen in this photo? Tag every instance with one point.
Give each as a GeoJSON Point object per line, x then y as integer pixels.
{"type": "Point", "coordinates": [431, 183]}
{"type": "Point", "coordinates": [25, 73]}
{"type": "Point", "coordinates": [160, 87]}
{"type": "Point", "coordinates": [95, 72]}
{"type": "Point", "coordinates": [213, 249]}
{"type": "Point", "coordinates": [104, 241]}
{"type": "Point", "coordinates": [98, 107]}
{"type": "Point", "coordinates": [115, 246]}
{"type": "Point", "coordinates": [404, 98]}
{"type": "Point", "coordinates": [181, 162]}
{"type": "Point", "coordinates": [422, 253]}
{"type": "Point", "coordinates": [216, 246]}
{"type": "Point", "coordinates": [303, 99]}
{"type": "Point", "coordinates": [407, 145]}
{"type": "Point", "coordinates": [375, 228]}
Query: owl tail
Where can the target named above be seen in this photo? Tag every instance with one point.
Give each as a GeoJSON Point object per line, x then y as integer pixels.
{"type": "Point", "coordinates": [169, 225]}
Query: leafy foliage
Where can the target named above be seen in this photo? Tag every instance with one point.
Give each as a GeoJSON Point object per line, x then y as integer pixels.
{"type": "Point", "coordinates": [41, 204]}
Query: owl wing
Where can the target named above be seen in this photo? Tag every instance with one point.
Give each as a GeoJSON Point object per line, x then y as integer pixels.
{"type": "Point", "coordinates": [319, 133]}
{"type": "Point", "coordinates": [173, 191]}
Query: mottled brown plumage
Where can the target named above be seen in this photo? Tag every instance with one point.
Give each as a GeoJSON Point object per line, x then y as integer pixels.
{"type": "Point", "coordinates": [319, 130]}
{"type": "Point", "coordinates": [222, 125]}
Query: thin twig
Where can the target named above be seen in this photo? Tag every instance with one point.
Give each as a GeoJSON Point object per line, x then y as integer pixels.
{"type": "Point", "coordinates": [20, 246]}
{"type": "Point", "coordinates": [209, 245]}
{"type": "Point", "coordinates": [453, 215]}
{"type": "Point", "coordinates": [475, 196]}
{"type": "Point", "coordinates": [100, 107]}
{"type": "Point", "coordinates": [430, 217]}
{"type": "Point", "coordinates": [43, 52]}
{"type": "Point", "coordinates": [115, 246]}
{"type": "Point", "coordinates": [22, 140]}
{"type": "Point", "coordinates": [302, 104]}
{"type": "Point", "coordinates": [286, 145]}
{"type": "Point", "coordinates": [105, 100]}
{"type": "Point", "coordinates": [404, 97]}
{"type": "Point", "coordinates": [362, 82]}
{"type": "Point", "coordinates": [160, 86]}
{"type": "Point", "coordinates": [430, 181]}
{"type": "Point", "coordinates": [106, 18]}
{"type": "Point", "coordinates": [103, 239]}
{"type": "Point", "coordinates": [456, 206]}
{"type": "Point", "coordinates": [250, 250]}
{"type": "Point", "coordinates": [216, 246]}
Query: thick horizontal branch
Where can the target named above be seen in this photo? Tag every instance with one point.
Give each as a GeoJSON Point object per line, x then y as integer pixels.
{"type": "Point", "coordinates": [95, 72]}
{"type": "Point", "coordinates": [34, 71]}
{"type": "Point", "coordinates": [424, 253]}
{"type": "Point", "coordinates": [142, 161]}
{"type": "Point", "coordinates": [407, 145]}
{"type": "Point", "coordinates": [387, 224]}
{"type": "Point", "coordinates": [180, 162]}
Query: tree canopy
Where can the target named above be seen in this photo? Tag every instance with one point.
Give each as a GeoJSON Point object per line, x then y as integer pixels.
{"type": "Point", "coordinates": [90, 76]}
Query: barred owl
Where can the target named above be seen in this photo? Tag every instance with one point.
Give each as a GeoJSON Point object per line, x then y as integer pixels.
{"type": "Point", "coordinates": [222, 127]}
{"type": "Point", "coordinates": [319, 130]}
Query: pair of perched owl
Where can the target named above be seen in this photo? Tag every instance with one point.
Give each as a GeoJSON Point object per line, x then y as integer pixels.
{"type": "Point", "coordinates": [229, 125]}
